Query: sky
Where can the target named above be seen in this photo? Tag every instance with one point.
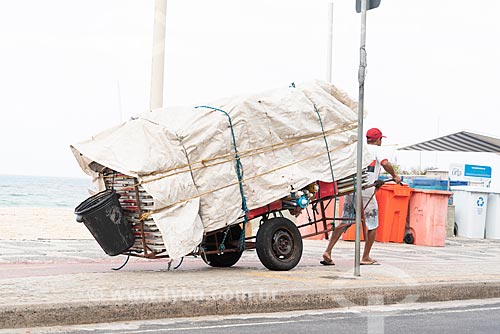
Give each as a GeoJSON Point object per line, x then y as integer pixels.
{"type": "Point", "coordinates": [70, 69]}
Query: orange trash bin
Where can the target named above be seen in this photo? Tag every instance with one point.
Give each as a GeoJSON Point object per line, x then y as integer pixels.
{"type": "Point", "coordinates": [393, 200]}
{"type": "Point", "coordinates": [428, 215]}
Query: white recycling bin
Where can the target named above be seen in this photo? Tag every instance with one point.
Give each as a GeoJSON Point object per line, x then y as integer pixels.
{"type": "Point", "coordinates": [493, 216]}
{"type": "Point", "coordinates": [470, 210]}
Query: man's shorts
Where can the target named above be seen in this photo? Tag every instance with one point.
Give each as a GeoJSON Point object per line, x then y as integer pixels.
{"type": "Point", "coordinates": [371, 211]}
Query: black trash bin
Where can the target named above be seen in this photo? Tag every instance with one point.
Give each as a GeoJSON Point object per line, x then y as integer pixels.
{"type": "Point", "coordinates": [103, 216]}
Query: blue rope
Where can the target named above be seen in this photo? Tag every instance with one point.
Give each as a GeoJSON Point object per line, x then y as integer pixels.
{"type": "Point", "coordinates": [239, 173]}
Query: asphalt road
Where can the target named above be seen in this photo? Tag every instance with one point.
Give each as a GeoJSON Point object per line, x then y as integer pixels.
{"type": "Point", "coordinates": [473, 316]}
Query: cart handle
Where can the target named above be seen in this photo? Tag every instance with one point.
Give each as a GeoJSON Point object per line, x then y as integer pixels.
{"type": "Point", "coordinates": [384, 181]}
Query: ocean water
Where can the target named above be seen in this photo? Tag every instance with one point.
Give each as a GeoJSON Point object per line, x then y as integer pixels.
{"type": "Point", "coordinates": [43, 191]}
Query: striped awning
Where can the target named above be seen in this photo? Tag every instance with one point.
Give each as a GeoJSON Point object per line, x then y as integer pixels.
{"type": "Point", "coordinates": [462, 141]}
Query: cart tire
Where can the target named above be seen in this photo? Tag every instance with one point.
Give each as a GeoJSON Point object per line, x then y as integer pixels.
{"type": "Point", "coordinates": [409, 239]}
{"type": "Point", "coordinates": [279, 244]}
{"type": "Point", "coordinates": [226, 259]}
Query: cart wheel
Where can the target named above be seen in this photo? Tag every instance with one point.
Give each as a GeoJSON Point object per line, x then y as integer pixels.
{"type": "Point", "coordinates": [409, 239]}
{"type": "Point", "coordinates": [226, 259]}
{"type": "Point", "coordinates": [279, 244]}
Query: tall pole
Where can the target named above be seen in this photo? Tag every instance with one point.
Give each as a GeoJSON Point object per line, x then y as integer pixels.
{"type": "Point", "coordinates": [359, 172]}
{"type": "Point", "coordinates": [158, 61]}
{"type": "Point", "coordinates": [329, 57]}
{"type": "Point", "coordinates": [119, 97]}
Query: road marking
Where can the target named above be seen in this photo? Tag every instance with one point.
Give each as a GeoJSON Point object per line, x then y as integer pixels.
{"type": "Point", "coordinates": [222, 326]}
{"type": "Point", "coordinates": [264, 323]}
{"type": "Point", "coordinates": [448, 311]}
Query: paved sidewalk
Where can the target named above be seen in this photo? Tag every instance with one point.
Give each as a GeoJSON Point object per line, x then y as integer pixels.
{"type": "Point", "coordinates": [49, 282]}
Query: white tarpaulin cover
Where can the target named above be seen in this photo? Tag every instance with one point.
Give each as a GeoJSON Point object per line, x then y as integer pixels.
{"type": "Point", "coordinates": [185, 157]}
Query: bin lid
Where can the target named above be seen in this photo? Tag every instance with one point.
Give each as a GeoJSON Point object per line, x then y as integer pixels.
{"type": "Point", "coordinates": [398, 189]}
{"type": "Point", "coordinates": [431, 191]}
{"type": "Point", "coordinates": [472, 189]}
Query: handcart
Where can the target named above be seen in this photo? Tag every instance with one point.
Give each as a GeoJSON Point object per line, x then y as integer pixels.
{"type": "Point", "coordinates": [278, 240]}
{"type": "Point", "coordinates": [191, 161]}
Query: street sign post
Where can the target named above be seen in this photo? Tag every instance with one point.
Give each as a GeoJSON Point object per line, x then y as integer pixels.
{"type": "Point", "coordinates": [363, 6]}
{"type": "Point", "coordinates": [370, 5]}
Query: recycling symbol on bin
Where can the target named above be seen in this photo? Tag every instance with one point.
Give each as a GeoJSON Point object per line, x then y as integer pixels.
{"type": "Point", "coordinates": [480, 202]}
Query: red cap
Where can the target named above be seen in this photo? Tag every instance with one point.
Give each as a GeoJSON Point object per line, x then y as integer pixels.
{"type": "Point", "coordinates": [374, 134]}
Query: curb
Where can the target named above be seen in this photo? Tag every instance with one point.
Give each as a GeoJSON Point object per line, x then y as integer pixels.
{"type": "Point", "coordinates": [105, 311]}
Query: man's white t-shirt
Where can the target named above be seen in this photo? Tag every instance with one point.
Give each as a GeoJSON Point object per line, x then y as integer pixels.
{"type": "Point", "coordinates": [377, 155]}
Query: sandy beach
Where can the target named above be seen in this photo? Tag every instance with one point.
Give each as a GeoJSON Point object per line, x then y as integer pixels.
{"type": "Point", "coordinates": [23, 223]}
